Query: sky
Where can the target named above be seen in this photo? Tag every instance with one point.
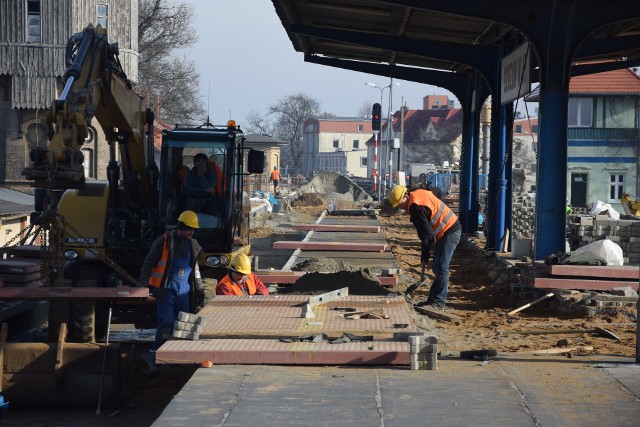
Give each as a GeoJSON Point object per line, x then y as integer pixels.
{"type": "Point", "coordinates": [247, 62]}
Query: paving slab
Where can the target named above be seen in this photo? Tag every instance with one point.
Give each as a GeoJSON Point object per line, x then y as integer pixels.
{"type": "Point", "coordinates": [511, 390]}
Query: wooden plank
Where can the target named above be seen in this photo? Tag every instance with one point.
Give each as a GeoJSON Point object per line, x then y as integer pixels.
{"type": "Point", "coordinates": [586, 284]}
{"type": "Point", "coordinates": [331, 246]}
{"type": "Point", "coordinates": [19, 277]}
{"type": "Point", "coordinates": [601, 271]}
{"type": "Point", "coordinates": [267, 351]}
{"type": "Point", "coordinates": [65, 293]}
{"type": "Point", "coordinates": [343, 228]}
{"type": "Point", "coordinates": [19, 266]}
{"type": "Point", "coordinates": [439, 314]}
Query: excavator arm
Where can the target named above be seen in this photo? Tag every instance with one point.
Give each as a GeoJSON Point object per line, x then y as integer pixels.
{"type": "Point", "coordinates": [95, 85]}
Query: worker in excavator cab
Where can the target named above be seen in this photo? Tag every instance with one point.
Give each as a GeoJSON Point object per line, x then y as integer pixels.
{"type": "Point", "coordinates": [200, 186]}
{"type": "Point", "coordinates": [437, 227]}
{"type": "Point", "coordinates": [171, 272]}
{"type": "Point", "coordinates": [240, 280]}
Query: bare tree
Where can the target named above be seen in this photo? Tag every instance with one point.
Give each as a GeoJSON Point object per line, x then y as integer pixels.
{"type": "Point", "coordinates": [168, 80]}
{"type": "Point", "coordinates": [289, 115]}
{"type": "Point", "coordinates": [365, 109]}
{"type": "Point", "coordinates": [259, 123]}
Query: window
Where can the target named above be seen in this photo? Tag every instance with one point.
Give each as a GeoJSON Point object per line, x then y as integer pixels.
{"type": "Point", "coordinates": [102, 15]}
{"type": "Point", "coordinates": [356, 144]}
{"type": "Point", "coordinates": [436, 103]}
{"type": "Point", "coordinates": [336, 143]}
{"type": "Point", "coordinates": [534, 128]}
{"type": "Point", "coordinates": [534, 168]}
{"type": "Point", "coordinates": [363, 161]}
{"type": "Point", "coordinates": [34, 22]}
{"type": "Point", "coordinates": [619, 112]}
{"type": "Point", "coordinates": [580, 112]}
{"type": "Point", "coordinates": [517, 144]}
{"type": "Point", "coordinates": [616, 187]}
{"type": "Point", "coordinates": [360, 128]}
{"type": "Point", "coordinates": [518, 128]}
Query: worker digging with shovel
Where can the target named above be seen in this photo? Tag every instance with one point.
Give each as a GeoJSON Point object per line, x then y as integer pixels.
{"type": "Point", "coordinates": [437, 226]}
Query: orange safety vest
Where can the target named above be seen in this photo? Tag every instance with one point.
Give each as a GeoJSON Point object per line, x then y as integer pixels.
{"type": "Point", "coordinates": [237, 290]}
{"type": "Point", "coordinates": [157, 272]}
{"type": "Point", "coordinates": [442, 218]}
{"type": "Point", "coordinates": [275, 175]}
{"type": "Point", "coordinates": [212, 166]}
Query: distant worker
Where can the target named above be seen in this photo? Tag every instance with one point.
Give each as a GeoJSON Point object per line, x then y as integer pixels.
{"type": "Point", "coordinates": [435, 223]}
{"type": "Point", "coordinates": [240, 280]}
{"type": "Point", "coordinates": [275, 177]}
{"type": "Point", "coordinates": [171, 272]}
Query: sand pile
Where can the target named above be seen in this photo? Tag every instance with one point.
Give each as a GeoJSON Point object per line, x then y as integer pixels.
{"type": "Point", "coordinates": [332, 185]}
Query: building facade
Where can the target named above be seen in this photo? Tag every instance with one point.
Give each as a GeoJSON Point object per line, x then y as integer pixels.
{"type": "Point", "coordinates": [337, 144]}
{"type": "Point", "coordinates": [603, 138]}
{"type": "Point", "coordinates": [33, 40]}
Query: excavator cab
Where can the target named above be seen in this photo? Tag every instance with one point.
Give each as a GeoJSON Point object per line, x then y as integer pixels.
{"type": "Point", "coordinates": [203, 169]}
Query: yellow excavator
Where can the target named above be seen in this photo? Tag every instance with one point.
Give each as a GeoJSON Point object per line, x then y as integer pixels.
{"type": "Point", "coordinates": [630, 205]}
{"type": "Point", "coordinates": [105, 228]}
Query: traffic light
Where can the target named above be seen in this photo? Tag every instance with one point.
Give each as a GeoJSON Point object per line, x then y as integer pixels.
{"type": "Point", "coordinates": [375, 116]}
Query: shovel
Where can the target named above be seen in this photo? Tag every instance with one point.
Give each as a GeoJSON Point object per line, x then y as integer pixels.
{"type": "Point", "coordinates": [415, 286]}
{"type": "Point", "coordinates": [600, 331]}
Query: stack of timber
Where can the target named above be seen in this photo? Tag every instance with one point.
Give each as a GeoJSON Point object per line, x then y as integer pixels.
{"type": "Point", "coordinates": [584, 277]}
{"type": "Point", "coordinates": [21, 268]}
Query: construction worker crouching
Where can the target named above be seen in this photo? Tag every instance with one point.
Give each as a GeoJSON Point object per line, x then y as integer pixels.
{"type": "Point", "coordinates": [437, 226]}
{"type": "Point", "coordinates": [240, 280]}
{"type": "Point", "coordinates": [172, 274]}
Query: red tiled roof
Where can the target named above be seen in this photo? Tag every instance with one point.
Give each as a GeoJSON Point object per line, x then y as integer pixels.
{"type": "Point", "coordinates": [617, 81]}
{"type": "Point", "coordinates": [416, 121]}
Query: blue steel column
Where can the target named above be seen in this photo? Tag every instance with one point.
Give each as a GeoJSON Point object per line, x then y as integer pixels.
{"type": "Point", "coordinates": [497, 182]}
{"type": "Point", "coordinates": [466, 178]}
{"type": "Point", "coordinates": [551, 185]}
{"type": "Point", "coordinates": [508, 172]}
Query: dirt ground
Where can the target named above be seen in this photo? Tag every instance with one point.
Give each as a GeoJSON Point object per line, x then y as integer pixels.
{"type": "Point", "coordinates": [483, 305]}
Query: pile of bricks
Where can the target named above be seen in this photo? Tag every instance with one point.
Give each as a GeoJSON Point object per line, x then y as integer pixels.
{"type": "Point", "coordinates": [188, 326]}
{"type": "Point", "coordinates": [582, 230]}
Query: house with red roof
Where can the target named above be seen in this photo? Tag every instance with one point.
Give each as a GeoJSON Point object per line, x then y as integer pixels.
{"type": "Point", "coordinates": [603, 138]}
{"type": "Point", "coordinates": [431, 135]}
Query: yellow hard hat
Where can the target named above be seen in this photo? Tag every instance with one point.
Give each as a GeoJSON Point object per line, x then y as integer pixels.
{"type": "Point", "coordinates": [189, 218]}
{"type": "Point", "coordinates": [241, 264]}
{"type": "Point", "coordinates": [396, 194]}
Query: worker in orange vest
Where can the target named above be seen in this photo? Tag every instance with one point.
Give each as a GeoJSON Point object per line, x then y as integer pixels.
{"type": "Point", "coordinates": [275, 177]}
{"type": "Point", "coordinates": [437, 227]}
{"type": "Point", "coordinates": [171, 272]}
{"type": "Point", "coordinates": [240, 280]}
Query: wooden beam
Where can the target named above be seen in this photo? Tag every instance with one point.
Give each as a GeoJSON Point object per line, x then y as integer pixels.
{"type": "Point", "coordinates": [77, 294]}
{"type": "Point", "coordinates": [331, 246]}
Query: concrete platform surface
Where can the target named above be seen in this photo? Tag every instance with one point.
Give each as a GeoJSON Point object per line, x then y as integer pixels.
{"type": "Point", "coordinates": [512, 390]}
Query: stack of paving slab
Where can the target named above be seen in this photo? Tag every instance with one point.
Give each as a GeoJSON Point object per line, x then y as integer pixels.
{"type": "Point", "coordinates": [583, 230]}
{"type": "Point", "coordinates": [524, 213]}
{"type": "Point", "coordinates": [423, 350]}
{"type": "Point", "coordinates": [188, 326]}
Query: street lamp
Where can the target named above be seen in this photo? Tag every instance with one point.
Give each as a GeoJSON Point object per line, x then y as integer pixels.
{"type": "Point", "coordinates": [389, 124]}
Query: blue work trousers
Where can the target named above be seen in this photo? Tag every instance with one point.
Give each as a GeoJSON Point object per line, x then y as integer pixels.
{"type": "Point", "coordinates": [174, 299]}
{"type": "Point", "coordinates": [442, 253]}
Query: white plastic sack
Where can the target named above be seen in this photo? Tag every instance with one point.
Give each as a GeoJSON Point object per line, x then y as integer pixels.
{"type": "Point", "coordinates": [602, 208]}
{"type": "Point", "coordinates": [606, 249]}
